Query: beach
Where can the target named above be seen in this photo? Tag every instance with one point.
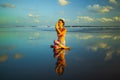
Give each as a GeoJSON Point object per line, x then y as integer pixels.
{"type": "Point", "coordinates": [25, 54]}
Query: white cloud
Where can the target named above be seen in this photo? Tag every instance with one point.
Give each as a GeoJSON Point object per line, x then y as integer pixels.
{"type": "Point", "coordinates": [113, 19]}
{"type": "Point", "coordinates": [63, 12]}
{"type": "Point", "coordinates": [89, 19]}
{"type": "Point", "coordinates": [17, 21]}
{"type": "Point", "coordinates": [7, 5]}
{"type": "Point", "coordinates": [113, 1]}
{"type": "Point", "coordinates": [105, 19]}
{"type": "Point", "coordinates": [36, 20]}
{"type": "Point", "coordinates": [63, 2]}
{"type": "Point", "coordinates": [30, 15]}
{"type": "Point", "coordinates": [116, 18]}
{"type": "Point", "coordinates": [94, 7]}
{"type": "Point", "coordinates": [98, 8]}
{"type": "Point", "coordinates": [85, 18]}
{"type": "Point", "coordinates": [105, 9]}
{"type": "Point", "coordinates": [33, 15]}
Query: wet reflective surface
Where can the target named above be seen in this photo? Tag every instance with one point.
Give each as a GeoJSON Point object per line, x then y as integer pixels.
{"type": "Point", "coordinates": [26, 55]}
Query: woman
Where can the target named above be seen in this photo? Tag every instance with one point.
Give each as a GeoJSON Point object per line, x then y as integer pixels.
{"type": "Point", "coordinates": [61, 33]}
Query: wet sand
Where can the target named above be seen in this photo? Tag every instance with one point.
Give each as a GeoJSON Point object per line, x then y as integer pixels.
{"type": "Point", "coordinates": [26, 55]}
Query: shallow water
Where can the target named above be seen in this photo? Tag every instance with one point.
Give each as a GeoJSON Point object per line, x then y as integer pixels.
{"type": "Point", "coordinates": [25, 54]}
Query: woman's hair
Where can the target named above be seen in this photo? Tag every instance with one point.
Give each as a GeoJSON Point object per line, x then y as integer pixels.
{"type": "Point", "coordinates": [62, 21]}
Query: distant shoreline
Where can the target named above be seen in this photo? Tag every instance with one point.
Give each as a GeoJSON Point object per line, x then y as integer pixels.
{"type": "Point", "coordinates": [92, 26]}
{"type": "Point", "coordinates": [52, 26]}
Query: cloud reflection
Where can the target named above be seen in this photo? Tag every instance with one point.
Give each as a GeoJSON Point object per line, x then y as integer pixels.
{"type": "Point", "coordinates": [113, 37]}
{"type": "Point", "coordinates": [105, 36]}
{"type": "Point", "coordinates": [3, 57]}
{"type": "Point", "coordinates": [34, 36]}
{"type": "Point", "coordinates": [118, 51]}
{"type": "Point", "coordinates": [108, 55]}
{"type": "Point", "coordinates": [7, 47]}
{"type": "Point", "coordinates": [101, 36]}
{"type": "Point", "coordinates": [6, 56]}
{"type": "Point", "coordinates": [18, 56]}
{"type": "Point", "coordinates": [100, 45]}
{"type": "Point", "coordinates": [84, 37]}
{"type": "Point", "coordinates": [108, 49]}
{"type": "Point", "coordinates": [105, 46]}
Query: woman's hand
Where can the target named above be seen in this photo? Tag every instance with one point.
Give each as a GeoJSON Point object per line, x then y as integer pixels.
{"type": "Point", "coordinates": [56, 25]}
{"type": "Point", "coordinates": [57, 28]}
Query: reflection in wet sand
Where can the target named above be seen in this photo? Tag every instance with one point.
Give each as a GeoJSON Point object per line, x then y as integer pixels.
{"type": "Point", "coordinates": [118, 51]}
{"type": "Point", "coordinates": [3, 57]}
{"type": "Point", "coordinates": [18, 56]}
{"type": "Point", "coordinates": [84, 37]}
{"type": "Point", "coordinates": [105, 44]}
{"type": "Point", "coordinates": [34, 36]}
{"type": "Point", "coordinates": [100, 45]}
{"type": "Point", "coordinates": [108, 55]}
{"type": "Point", "coordinates": [109, 50]}
{"type": "Point", "coordinates": [7, 47]}
{"type": "Point", "coordinates": [60, 65]}
{"type": "Point", "coordinates": [106, 36]}
{"type": "Point", "coordinates": [101, 36]}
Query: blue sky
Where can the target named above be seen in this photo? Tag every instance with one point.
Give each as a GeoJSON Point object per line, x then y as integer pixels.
{"type": "Point", "coordinates": [47, 12]}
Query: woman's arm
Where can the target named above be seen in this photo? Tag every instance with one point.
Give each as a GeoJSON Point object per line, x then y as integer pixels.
{"type": "Point", "coordinates": [56, 27]}
{"type": "Point", "coordinates": [60, 33]}
{"type": "Point", "coordinates": [63, 32]}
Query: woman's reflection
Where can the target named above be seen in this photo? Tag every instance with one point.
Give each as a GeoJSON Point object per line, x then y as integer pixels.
{"type": "Point", "coordinates": [61, 61]}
